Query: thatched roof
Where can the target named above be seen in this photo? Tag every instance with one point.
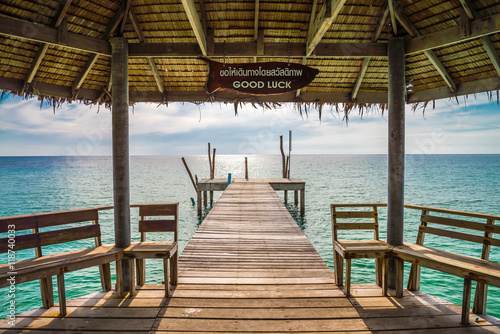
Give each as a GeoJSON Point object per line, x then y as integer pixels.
{"type": "Point", "coordinates": [60, 48]}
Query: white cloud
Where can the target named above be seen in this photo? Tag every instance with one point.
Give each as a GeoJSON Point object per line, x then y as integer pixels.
{"type": "Point", "coordinates": [186, 128]}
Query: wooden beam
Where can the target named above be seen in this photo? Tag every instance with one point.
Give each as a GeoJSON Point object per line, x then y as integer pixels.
{"type": "Point", "coordinates": [364, 65]}
{"type": "Point", "coordinates": [42, 50]}
{"type": "Point", "coordinates": [479, 28]}
{"type": "Point", "coordinates": [488, 45]}
{"type": "Point", "coordinates": [151, 62]}
{"type": "Point", "coordinates": [203, 16]}
{"type": "Point", "coordinates": [393, 17]}
{"type": "Point", "coordinates": [468, 88]}
{"type": "Point", "coordinates": [156, 75]}
{"type": "Point", "coordinates": [256, 20]}
{"type": "Point", "coordinates": [380, 23]}
{"type": "Point", "coordinates": [359, 80]}
{"type": "Point", "coordinates": [45, 89]}
{"type": "Point", "coordinates": [112, 26]}
{"type": "Point", "coordinates": [412, 30]}
{"type": "Point", "coordinates": [165, 50]}
{"type": "Point", "coordinates": [194, 20]}
{"type": "Point", "coordinates": [322, 22]}
{"type": "Point", "coordinates": [44, 34]}
{"type": "Point", "coordinates": [125, 15]}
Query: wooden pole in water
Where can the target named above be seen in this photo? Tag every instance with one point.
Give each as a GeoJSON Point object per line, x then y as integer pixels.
{"type": "Point", "coordinates": [246, 168]}
{"type": "Point", "coordinates": [396, 163]}
{"type": "Point", "coordinates": [209, 161]}
{"type": "Point", "coordinates": [120, 129]}
{"type": "Point", "coordinates": [213, 166]}
{"type": "Point", "coordinates": [283, 171]}
{"type": "Point", "coordinates": [190, 175]}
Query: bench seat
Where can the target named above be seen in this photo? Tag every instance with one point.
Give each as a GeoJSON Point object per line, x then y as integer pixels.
{"type": "Point", "coordinates": [53, 265]}
{"type": "Point", "coordinates": [358, 249]}
{"type": "Point", "coordinates": [479, 270]}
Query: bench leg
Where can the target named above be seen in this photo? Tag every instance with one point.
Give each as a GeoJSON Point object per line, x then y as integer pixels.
{"type": "Point", "coordinates": [166, 274]}
{"type": "Point", "coordinates": [47, 292]}
{"type": "Point", "coordinates": [141, 272]}
{"type": "Point", "coordinates": [385, 274]}
{"type": "Point", "coordinates": [414, 278]}
{"type": "Point", "coordinates": [105, 272]}
{"type": "Point", "coordinates": [61, 291]}
{"type": "Point", "coordinates": [399, 277]}
{"type": "Point", "coordinates": [174, 269]}
{"type": "Point", "coordinates": [132, 277]}
{"type": "Point", "coordinates": [338, 270]}
{"type": "Point", "coordinates": [466, 301]}
{"type": "Point", "coordinates": [119, 282]}
{"type": "Point", "coordinates": [378, 271]}
{"type": "Point", "coordinates": [348, 277]}
{"type": "Point", "coordinates": [479, 306]}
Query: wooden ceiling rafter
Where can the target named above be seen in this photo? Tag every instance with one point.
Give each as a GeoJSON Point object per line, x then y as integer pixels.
{"type": "Point", "coordinates": [310, 31]}
{"type": "Point", "coordinates": [486, 40]}
{"type": "Point", "coordinates": [394, 22]}
{"type": "Point", "coordinates": [196, 25]}
{"type": "Point", "coordinates": [42, 50]}
{"type": "Point", "coordinates": [120, 16]}
{"type": "Point", "coordinates": [431, 56]}
{"type": "Point", "coordinates": [140, 35]}
{"type": "Point", "coordinates": [366, 61]}
{"type": "Point", "coordinates": [322, 22]}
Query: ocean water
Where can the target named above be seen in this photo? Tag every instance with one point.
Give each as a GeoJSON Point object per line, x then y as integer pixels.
{"type": "Point", "coordinates": [460, 182]}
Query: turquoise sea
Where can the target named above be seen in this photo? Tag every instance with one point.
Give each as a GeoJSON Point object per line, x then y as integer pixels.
{"type": "Point", "coordinates": [460, 182]}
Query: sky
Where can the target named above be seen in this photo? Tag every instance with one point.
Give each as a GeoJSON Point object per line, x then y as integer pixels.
{"type": "Point", "coordinates": [27, 129]}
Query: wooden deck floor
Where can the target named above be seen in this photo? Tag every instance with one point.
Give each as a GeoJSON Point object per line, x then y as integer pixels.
{"type": "Point", "coordinates": [250, 269]}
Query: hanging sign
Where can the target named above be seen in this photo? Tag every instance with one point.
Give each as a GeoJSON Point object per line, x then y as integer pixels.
{"type": "Point", "coordinates": [258, 78]}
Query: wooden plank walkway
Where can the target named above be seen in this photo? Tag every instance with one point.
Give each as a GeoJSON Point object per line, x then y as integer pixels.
{"type": "Point", "coordinates": [250, 269]}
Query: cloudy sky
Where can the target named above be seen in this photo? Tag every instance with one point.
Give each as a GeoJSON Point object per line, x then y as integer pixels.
{"type": "Point", "coordinates": [472, 126]}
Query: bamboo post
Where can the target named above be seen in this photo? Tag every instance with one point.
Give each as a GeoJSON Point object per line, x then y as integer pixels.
{"type": "Point", "coordinates": [120, 129]}
{"type": "Point", "coordinates": [210, 161]}
{"type": "Point", "coordinates": [283, 171]}
{"type": "Point", "coordinates": [246, 168]}
{"type": "Point", "coordinates": [213, 165]}
{"type": "Point", "coordinates": [395, 196]}
{"type": "Point", "coordinates": [190, 175]}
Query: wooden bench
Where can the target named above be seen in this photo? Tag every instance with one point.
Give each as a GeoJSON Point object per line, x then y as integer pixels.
{"type": "Point", "coordinates": [43, 234]}
{"type": "Point", "coordinates": [458, 226]}
{"type": "Point", "coordinates": [355, 249]}
{"type": "Point", "coordinates": [166, 250]}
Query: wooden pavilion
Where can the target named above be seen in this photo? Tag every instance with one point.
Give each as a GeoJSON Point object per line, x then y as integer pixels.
{"type": "Point", "coordinates": [368, 53]}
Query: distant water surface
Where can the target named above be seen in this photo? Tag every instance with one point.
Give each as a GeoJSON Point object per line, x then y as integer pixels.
{"type": "Point", "coordinates": [460, 182]}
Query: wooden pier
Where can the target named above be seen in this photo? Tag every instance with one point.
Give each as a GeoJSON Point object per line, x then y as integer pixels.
{"type": "Point", "coordinates": [250, 269]}
{"type": "Point", "coordinates": [206, 186]}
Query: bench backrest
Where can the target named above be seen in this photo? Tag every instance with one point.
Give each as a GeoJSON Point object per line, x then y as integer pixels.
{"type": "Point", "coordinates": [366, 219]}
{"type": "Point", "coordinates": [481, 222]}
{"type": "Point", "coordinates": [34, 222]}
{"type": "Point", "coordinates": [170, 210]}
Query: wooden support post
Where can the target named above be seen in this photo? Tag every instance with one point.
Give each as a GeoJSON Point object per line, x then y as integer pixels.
{"type": "Point", "coordinates": [166, 277]}
{"type": "Point", "coordinates": [198, 202]}
{"type": "Point", "coordinates": [303, 201]}
{"type": "Point", "coordinates": [283, 159]}
{"type": "Point", "coordinates": [205, 202]}
{"type": "Point", "coordinates": [213, 165]}
{"type": "Point", "coordinates": [246, 168]}
{"type": "Point", "coordinates": [286, 196]}
{"type": "Point", "coordinates": [296, 197]}
{"type": "Point", "coordinates": [189, 173]}
{"type": "Point", "coordinates": [348, 277]}
{"type": "Point", "coordinates": [211, 198]}
{"type": "Point", "coordinates": [120, 124]}
{"type": "Point", "coordinates": [210, 161]}
{"type": "Point", "coordinates": [395, 197]}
